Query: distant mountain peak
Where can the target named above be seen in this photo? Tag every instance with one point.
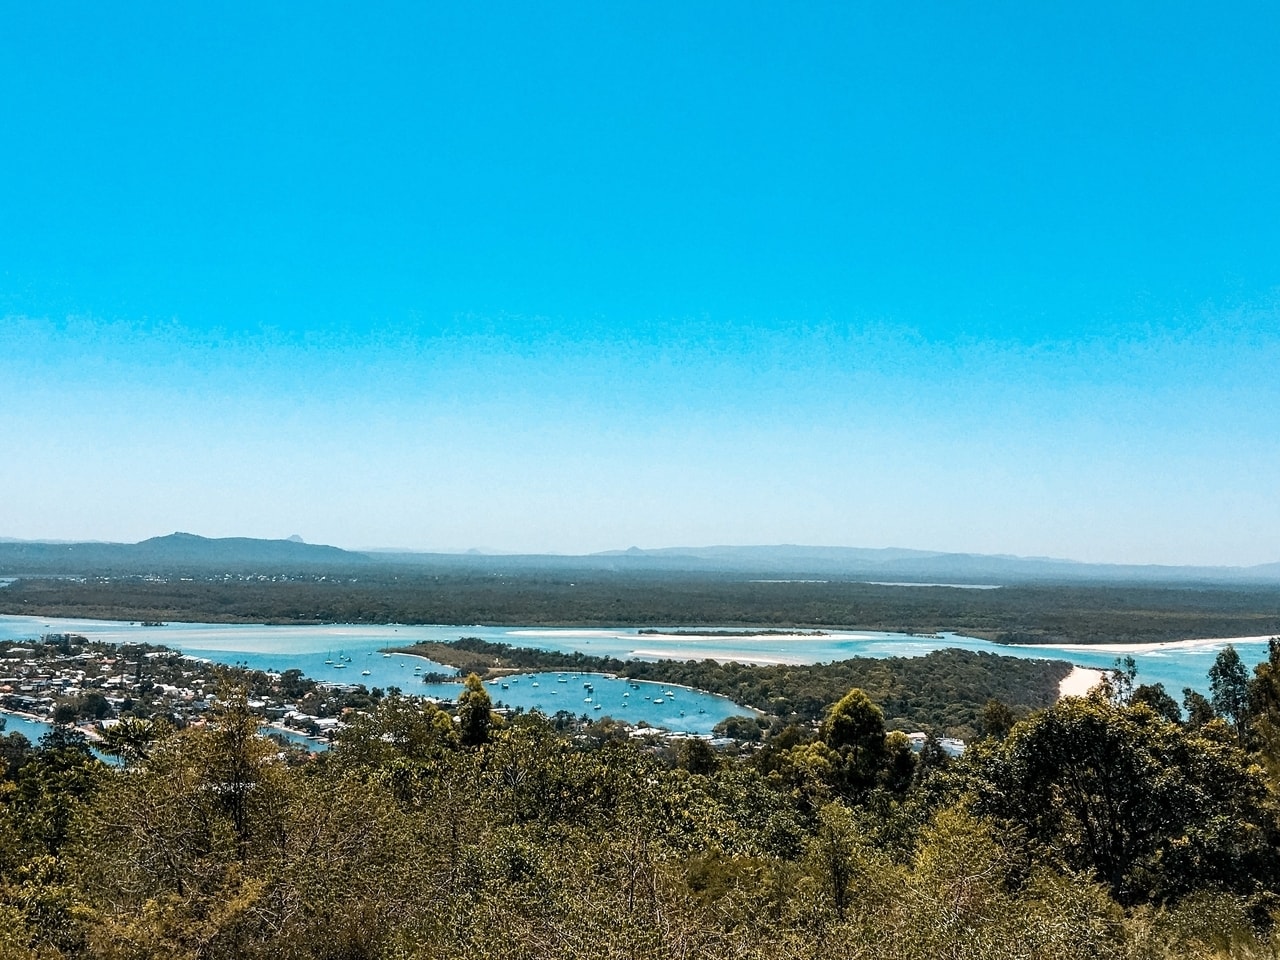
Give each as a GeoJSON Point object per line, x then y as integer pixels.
{"type": "Point", "coordinates": [295, 538]}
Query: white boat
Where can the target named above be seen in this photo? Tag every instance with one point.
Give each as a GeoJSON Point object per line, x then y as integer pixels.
{"type": "Point", "coordinates": [658, 700]}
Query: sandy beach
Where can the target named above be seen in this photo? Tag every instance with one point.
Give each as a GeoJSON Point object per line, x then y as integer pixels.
{"type": "Point", "coordinates": [1079, 682]}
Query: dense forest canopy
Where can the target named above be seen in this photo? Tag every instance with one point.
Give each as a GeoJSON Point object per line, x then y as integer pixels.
{"type": "Point", "coordinates": [1020, 613]}
{"type": "Point", "coordinates": [1138, 822]}
{"type": "Point", "coordinates": [1096, 827]}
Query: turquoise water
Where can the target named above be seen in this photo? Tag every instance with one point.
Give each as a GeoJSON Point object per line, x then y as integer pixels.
{"type": "Point", "coordinates": [659, 705]}
{"type": "Point", "coordinates": [360, 648]}
{"type": "Point", "coordinates": [33, 730]}
{"type": "Point", "coordinates": [355, 654]}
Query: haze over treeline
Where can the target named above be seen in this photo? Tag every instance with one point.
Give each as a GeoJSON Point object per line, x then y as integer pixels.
{"type": "Point", "coordinates": [183, 577]}
{"type": "Point", "coordinates": [190, 550]}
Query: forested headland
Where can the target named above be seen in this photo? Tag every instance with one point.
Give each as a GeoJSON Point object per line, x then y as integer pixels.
{"type": "Point", "coordinates": [1099, 827]}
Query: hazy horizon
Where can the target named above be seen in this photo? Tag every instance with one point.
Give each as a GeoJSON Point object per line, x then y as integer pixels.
{"type": "Point", "coordinates": [665, 548]}
{"type": "Point", "coordinates": [985, 280]}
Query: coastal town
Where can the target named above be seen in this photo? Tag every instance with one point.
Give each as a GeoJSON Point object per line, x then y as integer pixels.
{"type": "Point", "coordinates": [67, 679]}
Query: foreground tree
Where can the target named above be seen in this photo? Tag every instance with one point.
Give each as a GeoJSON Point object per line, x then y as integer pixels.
{"type": "Point", "coordinates": [1264, 709]}
{"type": "Point", "coordinates": [131, 739]}
{"type": "Point", "coordinates": [997, 719]}
{"type": "Point", "coordinates": [1229, 689]}
{"type": "Point", "coordinates": [475, 712]}
{"type": "Point", "coordinates": [854, 731]}
{"type": "Point", "coordinates": [1153, 810]}
{"type": "Point", "coordinates": [1199, 709]}
{"type": "Point", "coordinates": [1158, 699]}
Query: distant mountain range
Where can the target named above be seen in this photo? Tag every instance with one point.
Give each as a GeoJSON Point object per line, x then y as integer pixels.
{"type": "Point", "coordinates": [896, 564]}
{"type": "Point", "coordinates": [185, 551]}
{"type": "Point", "coordinates": [176, 551]}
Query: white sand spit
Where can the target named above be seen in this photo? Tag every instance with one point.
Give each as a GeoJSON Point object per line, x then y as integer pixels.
{"type": "Point", "coordinates": [1079, 681]}
{"type": "Point", "coordinates": [1206, 644]}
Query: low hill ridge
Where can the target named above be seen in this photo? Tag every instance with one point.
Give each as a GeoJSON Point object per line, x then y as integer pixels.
{"type": "Point", "coordinates": [174, 551]}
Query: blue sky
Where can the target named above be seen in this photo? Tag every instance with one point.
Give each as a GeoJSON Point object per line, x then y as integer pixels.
{"type": "Point", "coordinates": [576, 277]}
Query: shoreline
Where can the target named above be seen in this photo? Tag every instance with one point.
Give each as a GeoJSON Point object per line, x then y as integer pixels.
{"type": "Point", "coordinates": [23, 715]}
{"type": "Point", "coordinates": [744, 657]}
{"type": "Point", "coordinates": [1207, 643]}
{"type": "Point", "coordinates": [90, 734]}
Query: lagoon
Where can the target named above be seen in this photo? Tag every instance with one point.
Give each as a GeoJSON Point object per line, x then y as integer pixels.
{"type": "Point", "coordinates": [355, 654]}
{"type": "Point", "coordinates": [598, 695]}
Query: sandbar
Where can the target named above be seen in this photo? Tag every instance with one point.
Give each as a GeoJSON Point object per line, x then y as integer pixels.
{"type": "Point", "coordinates": [1202, 644]}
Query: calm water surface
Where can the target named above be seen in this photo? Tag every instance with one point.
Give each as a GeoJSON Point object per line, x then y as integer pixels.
{"type": "Point", "coordinates": [357, 654]}
{"type": "Point", "coordinates": [33, 730]}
